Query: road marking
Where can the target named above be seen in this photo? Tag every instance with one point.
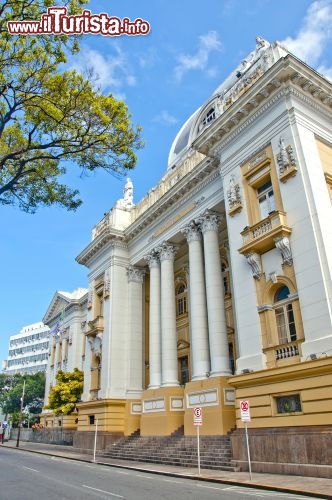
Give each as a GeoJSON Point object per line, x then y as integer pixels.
{"type": "Point", "coordinates": [29, 468]}
{"type": "Point", "coordinates": [102, 491]}
{"type": "Point", "coordinates": [173, 481]}
{"type": "Point", "coordinates": [210, 487]}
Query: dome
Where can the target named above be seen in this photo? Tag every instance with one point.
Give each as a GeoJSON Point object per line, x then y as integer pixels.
{"type": "Point", "coordinates": [214, 106]}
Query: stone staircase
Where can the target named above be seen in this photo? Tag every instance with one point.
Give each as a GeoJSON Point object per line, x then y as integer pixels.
{"type": "Point", "coordinates": [177, 449]}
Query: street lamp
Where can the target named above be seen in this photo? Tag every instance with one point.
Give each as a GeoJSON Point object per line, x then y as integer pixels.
{"type": "Point", "coordinates": [20, 421]}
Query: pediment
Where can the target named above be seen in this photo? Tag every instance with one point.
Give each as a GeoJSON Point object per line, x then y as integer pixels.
{"type": "Point", "coordinates": [57, 305]}
{"type": "Point", "coordinates": [183, 344]}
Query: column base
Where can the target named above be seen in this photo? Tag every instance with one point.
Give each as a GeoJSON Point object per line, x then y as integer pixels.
{"type": "Point", "coordinates": [109, 412]}
{"type": "Point", "coordinates": [162, 411]}
{"type": "Point", "coordinates": [217, 400]}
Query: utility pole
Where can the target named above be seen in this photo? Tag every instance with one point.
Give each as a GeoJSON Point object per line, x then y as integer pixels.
{"type": "Point", "coordinates": [20, 421]}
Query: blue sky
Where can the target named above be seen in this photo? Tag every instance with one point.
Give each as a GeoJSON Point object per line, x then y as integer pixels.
{"type": "Point", "coordinates": [163, 77]}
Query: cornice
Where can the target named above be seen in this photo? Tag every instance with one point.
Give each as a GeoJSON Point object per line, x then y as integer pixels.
{"type": "Point", "coordinates": [108, 238]}
{"type": "Point", "coordinates": [175, 196]}
{"type": "Point", "coordinates": [279, 81]}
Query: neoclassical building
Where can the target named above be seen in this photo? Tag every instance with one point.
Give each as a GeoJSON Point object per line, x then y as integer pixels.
{"type": "Point", "coordinates": [216, 286]}
{"type": "Point", "coordinates": [66, 316]}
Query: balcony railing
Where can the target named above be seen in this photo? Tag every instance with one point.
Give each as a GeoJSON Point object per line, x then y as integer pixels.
{"type": "Point", "coordinates": [95, 326]}
{"type": "Point", "coordinates": [287, 351]}
{"type": "Point", "coordinates": [260, 237]}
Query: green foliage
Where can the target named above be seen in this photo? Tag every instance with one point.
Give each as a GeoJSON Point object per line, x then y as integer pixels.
{"type": "Point", "coordinates": [52, 119]}
{"type": "Point", "coordinates": [11, 389]}
{"type": "Point", "coordinates": [66, 393]}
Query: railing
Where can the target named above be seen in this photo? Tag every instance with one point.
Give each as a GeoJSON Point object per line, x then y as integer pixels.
{"type": "Point", "coordinates": [273, 220]}
{"type": "Point", "coordinates": [286, 351]}
{"type": "Point", "coordinates": [95, 325]}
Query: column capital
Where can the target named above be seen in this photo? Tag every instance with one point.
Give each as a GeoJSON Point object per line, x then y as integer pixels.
{"type": "Point", "coordinates": [135, 274]}
{"type": "Point", "coordinates": [152, 258]}
{"type": "Point", "coordinates": [209, 221]}
{"type": "Point", "coordinates": [167, 251]}
{"type": "Point", "coordinates": [192, 232]}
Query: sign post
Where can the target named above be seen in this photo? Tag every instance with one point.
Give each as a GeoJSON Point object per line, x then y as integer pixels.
{"type": "Point", "coordinates": [95, 443]}
{"type": "Point", "coordinates": [245, 417]}
{"type": "Point", "coordinates": [198, 421]}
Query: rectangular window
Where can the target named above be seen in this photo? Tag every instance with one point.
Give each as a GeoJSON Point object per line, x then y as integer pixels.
{"type": "Point", "coordinates": [285, 324]}
{"type": "Point", "coordinates": [184, 370]}
{"type": "Point", "coordinates": [289, 404]}
{"type": "Point", "coordinates": [266, 200]}
{"type": "Point", "coordinates": [91, 419]}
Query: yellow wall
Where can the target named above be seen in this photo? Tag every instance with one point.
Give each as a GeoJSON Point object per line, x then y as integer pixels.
{"type": "Point", "coordinates": [312, 380]}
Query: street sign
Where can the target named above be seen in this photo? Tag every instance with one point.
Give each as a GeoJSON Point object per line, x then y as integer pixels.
{"type": "Point", "coordinates": [245, 411]}
{"type": "Point", "coordinates": [198, 416]}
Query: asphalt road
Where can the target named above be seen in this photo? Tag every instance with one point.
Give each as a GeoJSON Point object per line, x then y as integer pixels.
{"type": "Point", "coordinates": [29, 476]}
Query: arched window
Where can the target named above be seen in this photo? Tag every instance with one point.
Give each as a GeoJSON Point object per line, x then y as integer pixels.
{"type": "Point", "coordinates": [181, 299]}
{"type": "Point", "coordinates": [284, 316]}
{"type": "Point", "coordinates": [209, 117]}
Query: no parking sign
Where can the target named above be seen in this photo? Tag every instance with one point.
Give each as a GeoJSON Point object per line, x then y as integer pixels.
{"type": "Point", "coordinates": [198, 416]}
{"type": "Point", "coordinates": [245, 411]}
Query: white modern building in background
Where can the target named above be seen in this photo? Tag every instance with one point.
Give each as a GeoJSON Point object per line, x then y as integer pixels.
{"type": "Point", "coordinates": [28, 350]}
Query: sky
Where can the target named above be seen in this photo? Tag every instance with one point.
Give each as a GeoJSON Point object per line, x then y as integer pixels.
{"type": "Point", "coordinates": [163, 77]}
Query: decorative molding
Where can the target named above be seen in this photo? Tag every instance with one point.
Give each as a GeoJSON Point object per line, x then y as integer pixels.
{"type": "Point", "coordinates": [283, 245]}
{"type": "Point", "coordinates": [192, 232]}
{"type": "Point", "coordinates": [136, 408]}
{"type": "Point", "coordinates": [209, 221]}
{"type": "Point", "coordinates": [135, 274]}
{"type": "Point", "coordinates": [167, 251]}
{"type": "Point", "coordinates": [176, 403]}
{"type": "Point", "coordinates": [203, 398]}
{"type": "Point", "coordinates": [286, 161]}
{"type": "Point", "coordinates": [96, 344]}
{"type": "Point", "coordinates": [264, 307]}
{"type": "Point", "coordinates": [254, 262]}
{"type": "Point", "coordinates": [153, 405]}
{"type": "Point", "coordinates": [152, 258]}
{"type": "Point", "coordinates": [107, 284]}
{"type": "Point", "coordinates": [234, 196]}
{"type": "Point", "coordinates": [229, 396]}
{"type": "Point", "coordinates": [90, 297]}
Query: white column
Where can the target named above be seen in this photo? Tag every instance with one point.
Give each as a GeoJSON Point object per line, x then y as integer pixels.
{"type": "Point", "coordinates": [169, 361]}
{"type": "Point", "coordinates": [218, 340]}
{"type": "Point", "coordinates": [135, 332]}
{"type": "Point", "coordinates": [200, 357]}
{"type": "Point", "coordinates": [154, 321]}
{"type": "Point", "coordinates": [57, 358]}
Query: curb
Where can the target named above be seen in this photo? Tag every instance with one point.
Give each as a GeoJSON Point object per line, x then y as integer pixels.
{"type": "Point", "coordinates": [205, 478]}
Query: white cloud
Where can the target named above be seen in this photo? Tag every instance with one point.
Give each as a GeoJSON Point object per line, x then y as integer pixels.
{"type": "Point", "coordinates": [112, 71]}
{"type": "Point", "coordinates": [314, 34]}
{"type": "Point", "coordinates": [197, 61]}
{"type": "Point", "coordinates": [165, 118]}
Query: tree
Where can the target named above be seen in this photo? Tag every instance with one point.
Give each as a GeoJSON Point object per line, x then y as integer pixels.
{"type": "Point", "coordinates": [66, 393]}
{"type": "Point", "coordinates": [50, 119]}
{"type": "Point", "coordinates": [11, 389]}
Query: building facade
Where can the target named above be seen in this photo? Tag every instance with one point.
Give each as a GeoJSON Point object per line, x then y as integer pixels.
{"type": "Point", "coordinates": [66, 317]}
{"type": "Point", "coordinates": [216, 287]}
{"type": "Point", "coordinates": [28, 350]}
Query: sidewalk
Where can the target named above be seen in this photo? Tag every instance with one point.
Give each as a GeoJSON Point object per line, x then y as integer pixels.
{"type": "Point", "coordinates": [308, 486]}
